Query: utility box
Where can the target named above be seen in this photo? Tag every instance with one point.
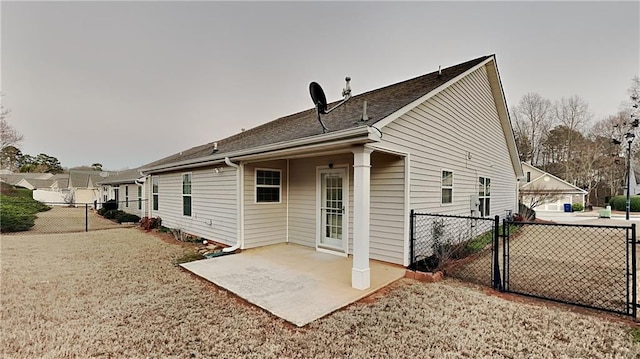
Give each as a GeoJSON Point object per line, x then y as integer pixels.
{"type": "Point", "coordinates": [605, 213]}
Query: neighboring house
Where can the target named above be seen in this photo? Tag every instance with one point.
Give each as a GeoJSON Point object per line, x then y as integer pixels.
{"type": "Point", "coordinates": [127, 188]}
{"type": "Point", "coordinates": [83, 186]}
{"type": "Point", "coordinates": [552, 192]}
{"type": "Point", "coordinates": [14, 178]}
{"type": "Point", "coordinates": [438, 143]}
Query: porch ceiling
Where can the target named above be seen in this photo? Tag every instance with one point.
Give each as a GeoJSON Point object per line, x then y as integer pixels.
{"type": "Point", "coordinates": [293, 282]}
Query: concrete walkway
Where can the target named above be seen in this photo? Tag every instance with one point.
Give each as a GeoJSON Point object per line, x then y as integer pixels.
{"type": "Point", "coordinates": [588, 217]}
{"type": "Point", "coordinates": [293, 282]}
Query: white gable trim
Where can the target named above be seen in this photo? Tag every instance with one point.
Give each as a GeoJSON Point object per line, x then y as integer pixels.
{"type": "Point", "coordinates": [501, 106]}
{"type": "Point", "coordinates": [544, 173]}
{"type": "Point", "coordinates": [387, 120]}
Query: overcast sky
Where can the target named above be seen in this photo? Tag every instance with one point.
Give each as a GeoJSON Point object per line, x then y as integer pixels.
{"type": "Point", "coordinates": [127, 83]}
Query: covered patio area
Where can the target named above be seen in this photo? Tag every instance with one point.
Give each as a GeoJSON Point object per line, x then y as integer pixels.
{"type": "Point", "coordinates": [294, 282]}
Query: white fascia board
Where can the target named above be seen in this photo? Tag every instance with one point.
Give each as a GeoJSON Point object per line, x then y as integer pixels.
{"type": "Point", "coordinates": [505, 119]}
{"type": "Point", "coordinates": [298, 143]}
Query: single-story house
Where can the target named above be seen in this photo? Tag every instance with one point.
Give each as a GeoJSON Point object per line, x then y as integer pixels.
{"type": "Point", "coordinates": [125, 187]}
{"type": "Point", "coordinates": [439, 143]}
{"type": "Point", "coordinates": [547, 192]}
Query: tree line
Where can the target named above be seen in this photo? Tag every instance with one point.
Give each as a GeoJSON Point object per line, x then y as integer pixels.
{"type": "Point", "coordinates": [12, 158]}
{"type": "Point", "coordinates": [562, 138]}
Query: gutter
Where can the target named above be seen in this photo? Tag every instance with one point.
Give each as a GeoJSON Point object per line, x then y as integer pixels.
{"type": "Point", "coordinates": [239, 175]}
{"type": "Point", "coordinates": [362, 131]}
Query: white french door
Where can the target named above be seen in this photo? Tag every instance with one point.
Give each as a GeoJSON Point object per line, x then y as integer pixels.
{"type": "Point", "coordinates": [333, 201]}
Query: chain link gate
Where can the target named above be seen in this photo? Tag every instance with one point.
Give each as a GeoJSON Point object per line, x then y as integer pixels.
{"type": "Point", "coordinates": [592, 266]}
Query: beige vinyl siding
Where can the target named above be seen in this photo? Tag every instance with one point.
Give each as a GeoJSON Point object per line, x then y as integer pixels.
{"type": "Point", "coordinates": [264, 223]}
{"type": "Point", "coordinates": [457, 130]}
{"type": "Point", "coordinates": [133, 199]}
{"type": "Point", "coordinates": [386, 235]}
{"type": "Point", "coordinates": [303, 196]}
{"type": "Point", "coordinates": [213, 204]}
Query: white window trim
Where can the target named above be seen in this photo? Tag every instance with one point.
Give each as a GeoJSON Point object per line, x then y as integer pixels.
{"type": "Point", "coordinates": [155, 194]}
{"type": "Point", "coordinates": [187, 195]}
{"type": "Point", "coordinates": [256, 185]}
{"type": "Point", "coordinates": [453, 182]}
{"type": "Point", "coordinates": [481, 198]}
{"type": "Point", "coordinates": [126, 196]}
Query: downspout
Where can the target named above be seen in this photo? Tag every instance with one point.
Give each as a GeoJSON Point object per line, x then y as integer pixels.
{"type": "Point", "coordinates": [140, 182]}
{"type": "Point", "coordinates": [239, 204]}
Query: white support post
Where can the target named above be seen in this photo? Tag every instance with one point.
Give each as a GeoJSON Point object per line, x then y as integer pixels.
{"type": "Point", "coordinates": [361, 273]}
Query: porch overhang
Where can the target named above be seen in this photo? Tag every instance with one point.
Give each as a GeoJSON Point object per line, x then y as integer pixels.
{"type": "Point", "coordinates": [332, 140]}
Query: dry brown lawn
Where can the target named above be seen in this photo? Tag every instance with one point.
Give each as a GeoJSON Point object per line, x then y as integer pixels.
{"type": "Point", "coordinates": [70, 219]}
{"type": "Point", "coordinates": [584, 265]}
{"type": "Point", "coordinates": [117, 293]}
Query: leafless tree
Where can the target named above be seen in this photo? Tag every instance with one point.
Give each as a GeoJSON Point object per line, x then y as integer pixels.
{"type": "Point", "coordinates": [534, 196]}
{"type": "Point", "coordinates": [8, 135]}
{"type": "Point", "coordinates": [573, 113]}
{"type": "Point", "coordinates": [532, 121]}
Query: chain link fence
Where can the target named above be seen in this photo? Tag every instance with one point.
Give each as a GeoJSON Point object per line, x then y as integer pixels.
{"type": "Point", "coordinates": [462, 247]}
{"type": "Point", "coordinates": [30, 217]}
{"type": "Point", "coordinates": [586, 265]}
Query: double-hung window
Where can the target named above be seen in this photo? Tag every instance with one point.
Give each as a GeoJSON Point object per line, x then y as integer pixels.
{"type": "Point", "coordinates": [447, 187]}
{"type": "Point", "coordinates": [186, 194]}
{"type": "Point", "coordinates": [139, 197]}
{"type": "Point", "coordinates": [268, 188]}
{"type": "Point", "coordinates": [126, 196]}
{"type": "Point", "coordinates": [484, 195]}
{"type": "Point", "coordinates": [154, 191]}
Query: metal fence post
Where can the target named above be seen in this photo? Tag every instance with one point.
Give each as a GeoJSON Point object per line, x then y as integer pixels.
{"type": "Point", "coordinates": [412, 222]}
{"type": "Point", "coordinates": [495, 268]}
{"type": "Point", "coordinates": [86, 217]}
{"type": "Point", "coordinates": [505, 249]}
{"type": "Point", "coordinates": [634, 294]}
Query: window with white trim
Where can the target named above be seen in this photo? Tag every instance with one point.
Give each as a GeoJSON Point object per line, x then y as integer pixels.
{"type": "Point", "coordinates": [154, 191]}
{"type": "Point", "coordinates": [126, 196]}
{"type": "Point", "coordinates": [484, 195]}
{"type": "Point", "coordinates": [139, 197]}
{"type": "Point", "coordinates": [447, 187]}
{"type": "Point", "coordinates": [268, 188]}
{"type": "Point", "coordinates": [186, 194]}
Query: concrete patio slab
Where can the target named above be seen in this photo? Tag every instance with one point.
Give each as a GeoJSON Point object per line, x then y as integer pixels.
{"type": "Point", "coordinates": [293, 282]}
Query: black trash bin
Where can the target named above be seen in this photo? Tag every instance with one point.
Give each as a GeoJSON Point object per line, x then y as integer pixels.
{"type": "Point", "coordinates": [567, 207]}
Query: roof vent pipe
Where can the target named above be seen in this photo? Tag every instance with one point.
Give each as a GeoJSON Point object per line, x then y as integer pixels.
{"type": "Point", "coordinates": [439, 70]}
{"type": "Point", "coordinates": [215, 147]}
{"type": "Point", "coordinates": [365, 117]}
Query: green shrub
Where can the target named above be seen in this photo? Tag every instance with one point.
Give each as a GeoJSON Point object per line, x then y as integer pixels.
{"type": "Point", "coordinates": [18, 209]}
{"type": "Point", "coordinates": [110, 214]}
{"type": "Point", "coordinates": [577, 207]}
{"type": "Point", "coordinates": [619, 203]}
{"type": "Point", "coordinates": [126, 217]}
{"type": "Point", "coordinates": [14, 218]}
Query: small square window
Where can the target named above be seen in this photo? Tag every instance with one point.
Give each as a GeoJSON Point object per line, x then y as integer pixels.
{"type": "Point", "coordinates": [268, 186]}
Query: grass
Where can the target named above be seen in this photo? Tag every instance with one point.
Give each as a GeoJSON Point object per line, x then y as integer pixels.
{"type": "Point", "coordinates": [18, 209]}
{"type": "Point", "coordinates": [189, 256]}
{"type": "Point", "coordinates": [117, 293]}
{"type": "Point", "coordinates": [635, 335]}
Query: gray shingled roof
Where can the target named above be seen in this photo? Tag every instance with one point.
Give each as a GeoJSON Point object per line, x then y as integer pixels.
{"type": "Point", "coordinates": [125, 176]}
{"type": "Point", "coordinates": [380, 103]}
{"type": "Point", "coordinates": [40, 183]}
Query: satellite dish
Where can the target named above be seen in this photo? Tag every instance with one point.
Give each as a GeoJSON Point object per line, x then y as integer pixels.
{"type": "Point", "coordinates": [320, 100]}
{"type": "Point", "coordinates": [318, 97]}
